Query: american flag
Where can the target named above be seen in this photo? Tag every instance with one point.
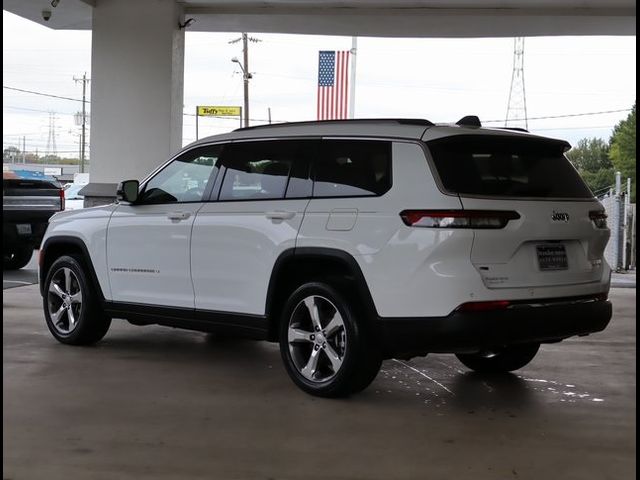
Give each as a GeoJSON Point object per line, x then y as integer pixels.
{"type": "Point", "coordinates": [333, 85]}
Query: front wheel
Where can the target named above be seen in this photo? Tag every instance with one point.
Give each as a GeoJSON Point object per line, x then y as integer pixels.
{"type": "Point", "coordinates": [71, 304]}
{"type": "Point", "coordinates": [500, 359]}
{"type": "Point", "coordinates": [325, 345]}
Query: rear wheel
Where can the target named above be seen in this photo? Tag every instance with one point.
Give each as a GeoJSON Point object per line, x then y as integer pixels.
{"type": "Point", "coordinates": [17, 257]}
{"type": "Point", "coordinates": [324, 344]}
{"type": "Point", "coordinates": [500, 359]}
{"type": "Point", "coordinates": [71, 304]}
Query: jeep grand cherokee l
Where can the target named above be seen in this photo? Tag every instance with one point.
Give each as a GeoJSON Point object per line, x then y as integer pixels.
{"type": "Point", "coordinates": [347, 242]}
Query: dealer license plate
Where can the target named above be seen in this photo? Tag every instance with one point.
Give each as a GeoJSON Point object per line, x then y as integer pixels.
{"type": "Point", "coordinates": [552, 257]}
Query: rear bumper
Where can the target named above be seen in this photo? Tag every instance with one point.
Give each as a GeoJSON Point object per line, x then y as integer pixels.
{"type": "Point", "coordinates": [38, 220]}
{"type": "Point", "coordinates": [544, 321]}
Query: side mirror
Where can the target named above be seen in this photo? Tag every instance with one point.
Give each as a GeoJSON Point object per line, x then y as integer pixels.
{"type": "Point", "coordinates": [128, 191]}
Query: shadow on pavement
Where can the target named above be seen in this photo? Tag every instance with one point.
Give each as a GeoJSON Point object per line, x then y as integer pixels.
{"type": "Point", "coordinates": [474, 390]}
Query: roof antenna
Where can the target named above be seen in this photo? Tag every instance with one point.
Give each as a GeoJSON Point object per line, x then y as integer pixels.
{"type": "Point", "coordinates": [469, 121]}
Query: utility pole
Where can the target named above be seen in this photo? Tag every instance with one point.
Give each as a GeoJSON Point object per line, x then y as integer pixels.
{"type": "Point", "coordinates": [246, 75]}
{"type": "Point", "coordinates": [84, 81]}
{"type": "Point", "coordinates": [24, 153]}
{"type": "Point", "coordinates": [269, 112]}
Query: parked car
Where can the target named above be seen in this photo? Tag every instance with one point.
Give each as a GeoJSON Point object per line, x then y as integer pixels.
{"type": "Point", "coordinates": [27, 203]}
{"type": "Point", "coordinates": [347, 242]}
{"type": "Point", "coordinates": [73, 200]}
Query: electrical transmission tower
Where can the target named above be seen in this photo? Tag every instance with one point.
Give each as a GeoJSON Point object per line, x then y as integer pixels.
{"type": "Point", "coordinates": [51, 140]}
{"type": "Point", "coordinates": [517, 106]}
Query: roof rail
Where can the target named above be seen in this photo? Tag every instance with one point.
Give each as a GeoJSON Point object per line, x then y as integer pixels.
{"type": "Point", "coordinates": [402, 121]}
{"type": "Point", "coordinates": [516, 129]}
{"type": "Point", "coordinates": [469, 121]}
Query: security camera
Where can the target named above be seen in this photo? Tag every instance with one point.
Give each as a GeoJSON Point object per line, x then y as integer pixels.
{"type": "Point", "coordinates": [46, 15]}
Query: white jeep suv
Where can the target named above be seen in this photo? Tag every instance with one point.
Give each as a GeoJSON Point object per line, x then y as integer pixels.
{"type": "Point", "coordinates": [347, 242]}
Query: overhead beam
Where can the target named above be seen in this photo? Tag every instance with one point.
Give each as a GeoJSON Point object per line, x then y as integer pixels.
{"type": "Point", "coordinates": [416, 22]}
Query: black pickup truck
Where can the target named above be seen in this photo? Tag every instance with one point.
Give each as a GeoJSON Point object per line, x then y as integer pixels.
{"type": "Point", "coordinates": [27, 205]}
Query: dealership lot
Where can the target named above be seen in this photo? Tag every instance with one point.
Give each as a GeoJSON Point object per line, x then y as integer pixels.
{"type": "Point", "coordinates": [155, 402]}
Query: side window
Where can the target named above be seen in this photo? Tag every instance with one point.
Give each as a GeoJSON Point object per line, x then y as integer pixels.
{"type": "Point", "coordinates": [263, 170]}
{"type": "Point", "coordinates": [353, 168]}
{"type": "Point", "coordinates": [185, 179]}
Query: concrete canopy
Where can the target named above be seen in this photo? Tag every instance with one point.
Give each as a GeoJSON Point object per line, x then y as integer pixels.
{"type": "Point", "coordinates": [398, 18]}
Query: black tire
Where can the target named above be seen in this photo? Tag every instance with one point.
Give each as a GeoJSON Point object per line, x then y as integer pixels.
{"type": "Point", "coordinates": [359, 355]}
{"type": "Point", "coordinates": [17, 257]}
{"type": "Point", "coordinates": [503, 359]}
{"type": "Point", "coordinates": [91, 324]}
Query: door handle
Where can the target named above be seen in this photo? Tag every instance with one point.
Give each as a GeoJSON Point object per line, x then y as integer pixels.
{"type": "Point", "coordinates": [178, 215]}
{"type": "Point", "coordinates": [280, 215]}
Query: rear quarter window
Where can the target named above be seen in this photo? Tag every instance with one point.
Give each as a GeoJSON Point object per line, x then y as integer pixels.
{"type": "Point", "coordinates": [352, 168]}
{"type": "Point", "coordinates": [506, 166]}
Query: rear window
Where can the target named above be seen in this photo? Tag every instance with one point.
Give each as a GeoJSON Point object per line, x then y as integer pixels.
{"type": "Point", "coordinates": [501, 166]}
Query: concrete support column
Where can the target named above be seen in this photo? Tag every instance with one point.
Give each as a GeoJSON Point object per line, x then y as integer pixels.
{"type": "Point", "coordinates": [137, 76]}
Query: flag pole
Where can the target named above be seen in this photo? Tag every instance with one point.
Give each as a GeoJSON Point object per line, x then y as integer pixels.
{"type": "Point", "coordinates": [352, 79]}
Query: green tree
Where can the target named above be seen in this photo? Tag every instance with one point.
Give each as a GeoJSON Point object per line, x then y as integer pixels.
{"type": "Point", "coordinates": [10, 154]}
{"type": "Point", "coordinates": [591, 158]}
{"type": "Point", "coordinates": [590, 155]}
{"type": "Point", "coordinates": [599, 182]}
{"type": "Point", "coordinates": [623, 149]}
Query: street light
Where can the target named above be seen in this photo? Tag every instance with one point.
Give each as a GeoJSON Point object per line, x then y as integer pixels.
{"type": "Point", "coordinates": [246, 76]}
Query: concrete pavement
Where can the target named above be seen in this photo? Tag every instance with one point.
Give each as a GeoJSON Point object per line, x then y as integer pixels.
{"type": "Point", "coordinates": [27, 275]}
{"type": "Point", "coordinates": [625, 279]}
{"type": "Point", "coordinates": [158, 403]}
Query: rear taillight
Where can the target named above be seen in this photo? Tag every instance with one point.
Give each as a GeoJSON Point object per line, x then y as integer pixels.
{"type": "Point", "coordinates": [458, 218]}
{"type": "Point", "coordinates": [484, 306]}
{"type": "Point", "coordinates": [61, 199]}
{"type": "Point", "coordinates": [599, 218]}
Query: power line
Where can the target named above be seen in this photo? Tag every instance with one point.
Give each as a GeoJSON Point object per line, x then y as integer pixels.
{"type": "Point", "coordinates": [567, 115]}
{"type": "Point", "coordinates": [604, 189]}
{"type": "Point", "coordinates": [562, 116]}
{"type": "Point", "coordinates": [34, 110]}
{"type": "Point", "coordinates": [586, 127]}
{"type": "Point", "coordinates": [43, 94]}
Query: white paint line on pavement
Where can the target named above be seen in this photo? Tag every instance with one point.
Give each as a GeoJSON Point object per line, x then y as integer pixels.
{"type": "Point", "coordinates": [424, 375]}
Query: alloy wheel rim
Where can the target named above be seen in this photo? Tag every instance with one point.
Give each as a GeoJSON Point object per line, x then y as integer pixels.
{"type": "Point", "coordinates": [317, 339]}
{"type": "Point", "coordinates": [64, 300]}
